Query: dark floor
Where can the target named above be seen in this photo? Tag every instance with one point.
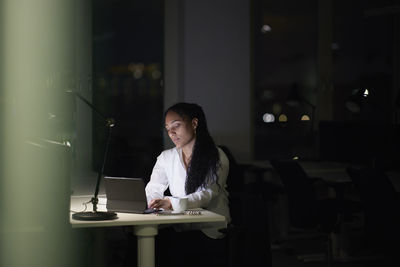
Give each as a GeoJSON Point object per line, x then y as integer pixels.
{"type": "Point", "coordinates": [289, 254]}
{"type": "Point", "coordinates": [122, 251]}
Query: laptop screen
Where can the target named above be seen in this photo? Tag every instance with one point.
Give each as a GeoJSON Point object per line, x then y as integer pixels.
{"type": "Point", "coordinates": [125, 194]}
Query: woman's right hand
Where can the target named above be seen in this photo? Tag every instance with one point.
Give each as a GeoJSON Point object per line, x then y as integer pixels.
{"type": "Point", "coordinates": [159, 203]}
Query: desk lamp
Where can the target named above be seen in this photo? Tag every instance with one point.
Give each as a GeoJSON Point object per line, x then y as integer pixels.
{"type": "Point", "coordinates": [356, 101]}
{"type": "Point", "coordinates": [97, 215]}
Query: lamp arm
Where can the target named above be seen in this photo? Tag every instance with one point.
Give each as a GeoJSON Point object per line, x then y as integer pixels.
{"type": "Point", "coordinates": [90, 105]}
{"type": "Point", "coordinates": [110, 123]}
{"type": "Point", "coordinates": [95, 200]}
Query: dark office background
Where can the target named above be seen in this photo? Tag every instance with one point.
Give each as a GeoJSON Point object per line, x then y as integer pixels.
{"type": "Point", "coordinates": [364, 56]}
{"type": "Point", "coordinates": [128, 80]}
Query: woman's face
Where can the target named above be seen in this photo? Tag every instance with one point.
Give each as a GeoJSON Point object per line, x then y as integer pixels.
{"type": "Point", "coordinates": [180, 130]}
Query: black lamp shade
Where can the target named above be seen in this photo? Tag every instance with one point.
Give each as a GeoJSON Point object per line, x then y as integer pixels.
{"type": "Point", "coordinates": [356, 101]}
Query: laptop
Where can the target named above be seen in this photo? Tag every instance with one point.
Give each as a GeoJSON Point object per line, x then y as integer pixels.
{"type": "Point", "coordinates": [125, 194]}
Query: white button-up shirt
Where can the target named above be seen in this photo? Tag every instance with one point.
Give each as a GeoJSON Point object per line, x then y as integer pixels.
{"type": "Point", "coordinates": [169, 171]}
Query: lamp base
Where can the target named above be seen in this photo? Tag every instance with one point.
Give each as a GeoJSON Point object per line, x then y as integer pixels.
{"type": "Point", "coordinates": [94, 216]}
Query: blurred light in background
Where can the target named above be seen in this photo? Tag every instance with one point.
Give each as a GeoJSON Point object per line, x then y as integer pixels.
{"type": "Point", "coordinates": [268, 118]}
{"type": "Point", "coordinates": [335, 46]}
{"type": "Point", "coordinates": [266, 28]}
{"type": "Point", "coordinates": [276, 108]}
{"type": "Point", "coordinates": [283, 118]}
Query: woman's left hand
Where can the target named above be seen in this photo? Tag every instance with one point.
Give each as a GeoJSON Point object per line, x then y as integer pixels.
{"type": "Point", "coordinates": [158, 203]}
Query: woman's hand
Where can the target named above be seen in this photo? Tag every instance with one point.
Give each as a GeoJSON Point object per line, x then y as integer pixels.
{"type": "Point", "coordinates": [158, 203]}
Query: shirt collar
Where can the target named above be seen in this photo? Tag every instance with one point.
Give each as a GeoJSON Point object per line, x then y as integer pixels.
{"type": "Point", "coordinates": [179, 151]}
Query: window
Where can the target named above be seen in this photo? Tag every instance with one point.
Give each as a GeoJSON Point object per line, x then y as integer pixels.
{"type": "Point", "coordinates": [128, 83]}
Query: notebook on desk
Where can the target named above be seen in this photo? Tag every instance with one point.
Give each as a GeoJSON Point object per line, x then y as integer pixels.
{"type": "Point", "coordinates": [125, 194]}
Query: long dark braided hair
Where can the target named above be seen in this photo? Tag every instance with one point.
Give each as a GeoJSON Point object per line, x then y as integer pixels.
{"type": "Point", "coordinates": [203, 166]}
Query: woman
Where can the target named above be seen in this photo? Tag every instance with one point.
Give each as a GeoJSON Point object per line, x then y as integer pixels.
{"type": "Point", "coordinates": [195, 168]}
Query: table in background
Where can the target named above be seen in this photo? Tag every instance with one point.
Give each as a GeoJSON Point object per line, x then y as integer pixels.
{"type": "Point", "coordinates": [145, 226]}
{"type": "Point", "coordinates": [335, 172]}
{"type": "Point", "coordinates": [329, 171]}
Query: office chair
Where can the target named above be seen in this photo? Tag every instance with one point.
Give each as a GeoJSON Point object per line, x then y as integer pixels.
{"type": "Point", "coordinates": [248, 242]}
{"type": "Point", "coordinates": [236, 177]}
{"type": "Point", "coordinates": [305, 211]}
{"type": "Point", "coordinates": [381, 205]}
{"type": "Point", "coordinates": [235, 180]}
{"type": "Point", "coordinates": [247, 237]}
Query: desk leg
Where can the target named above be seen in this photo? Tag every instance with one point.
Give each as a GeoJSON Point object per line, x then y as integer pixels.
{"type": "Point", "coordinates": [146, 248]}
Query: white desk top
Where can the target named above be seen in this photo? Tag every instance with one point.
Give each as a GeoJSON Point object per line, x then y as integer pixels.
{"type": "Point", "coordinates": [125, 219]}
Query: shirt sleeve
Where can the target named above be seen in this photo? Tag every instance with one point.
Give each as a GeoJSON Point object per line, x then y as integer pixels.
{"type": "Point", "coordinates": [202, 197]}
{"type": "Point", "coordinates": [158, 183]}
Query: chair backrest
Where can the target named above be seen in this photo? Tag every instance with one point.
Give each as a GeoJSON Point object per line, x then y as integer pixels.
{"type": "Point", "coordinates": [235, 178]}
{"type": "Point", "coordinates": [249, 226]}
{"type": "Point", "coordinates": [300, 193]}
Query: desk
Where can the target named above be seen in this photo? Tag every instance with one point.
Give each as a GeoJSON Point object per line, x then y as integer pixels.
{"type": "Point", "coordinates": [145, 226]}
{"type": "Point", "coordinates": [329, 171]}
{"type": "Point", "coordinates": [335, 172]}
